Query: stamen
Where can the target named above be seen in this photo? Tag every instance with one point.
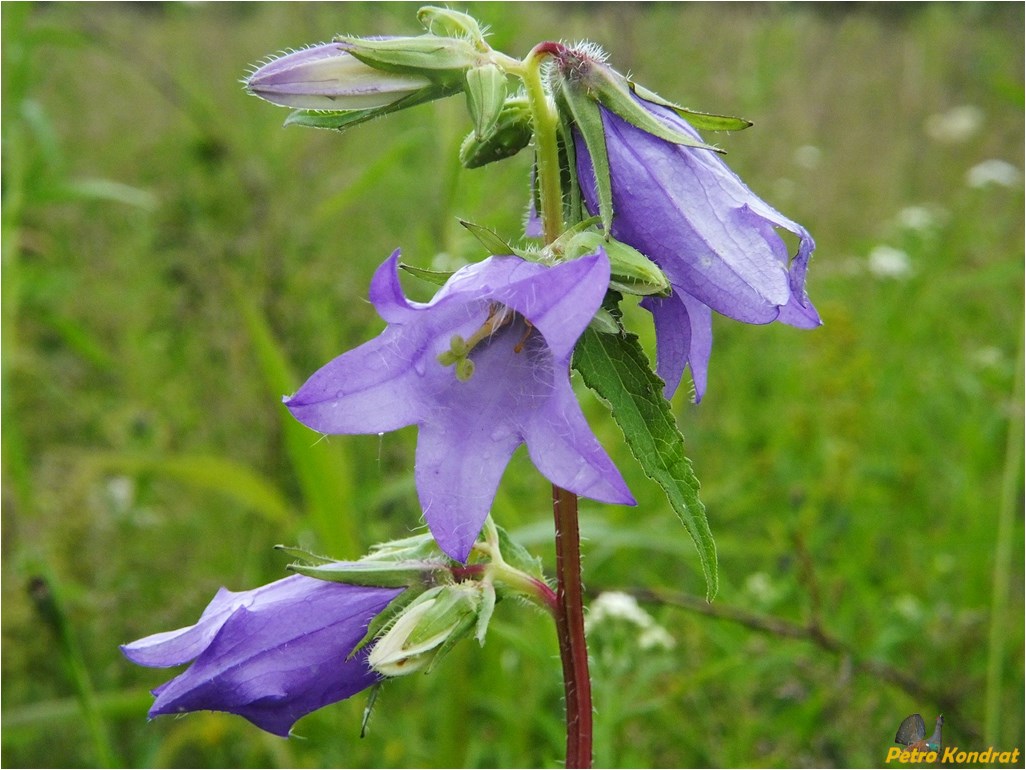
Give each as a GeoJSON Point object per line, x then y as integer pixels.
{"type": "Point", "coordinates": [519, 347]}
{"type": "Point", "coordinates": [459, 348]}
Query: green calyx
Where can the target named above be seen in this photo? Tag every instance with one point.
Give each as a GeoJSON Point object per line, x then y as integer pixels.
{"type": "Point", "coordinates": [584, 86]}
{"type": "Point", "coordinates": [508, 132]}
{"type": "Point", "coordinates": [447, 22]}
{"type": "Point", "coordinates": [444, 60]}
{"type": "Point", "coordinates": [631, 272]}
{"type": "Point", "coordinates": [342, 120]}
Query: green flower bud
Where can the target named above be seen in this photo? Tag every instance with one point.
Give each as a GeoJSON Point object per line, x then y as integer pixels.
{"type": "Point", "coordinates": [427, 629]}
{"type": "Point", "coordinates": [486, 94]}
{"type": "Point", "coordinates": [445, 21]}
{"type": "Point", "coordinates": [510, 133]}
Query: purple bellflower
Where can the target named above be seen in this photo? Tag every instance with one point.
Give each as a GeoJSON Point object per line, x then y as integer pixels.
{"type": "Point", "coordinates": [271, 655]}
{"type": "Point", "coordinates": [480, 369]}
{"type": "Point", "coordinates": [715, 240]}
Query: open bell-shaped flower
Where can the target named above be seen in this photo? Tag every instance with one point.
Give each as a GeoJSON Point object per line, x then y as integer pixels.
{"type": "Point", "coordinates": [678, 203]}
{"type": "Point", "coordinates": [272, 654]}
{"type": "Point", "coordinates": [480, 369]}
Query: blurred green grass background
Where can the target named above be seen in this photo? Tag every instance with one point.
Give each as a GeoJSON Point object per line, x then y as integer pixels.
{"type": "Point", "coordinates": [174, 261]}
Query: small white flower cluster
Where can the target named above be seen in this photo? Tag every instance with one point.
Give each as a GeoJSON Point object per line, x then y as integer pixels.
{"type": "Point", "coordinates": [616, 606]}
{"type": "Point", "coordinates": [994, 171]}
{"type": "Point", "coordinates": [888, 262]}
{"type": "Point", "coordinates": [954, 126]}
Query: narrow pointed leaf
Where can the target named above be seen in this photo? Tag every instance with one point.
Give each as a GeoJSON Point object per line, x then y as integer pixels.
{"type": "Point", "coordinates": [702, 121]}
{"type": "Point", "coordinates": [340, 121]}
{"type": "Point", "coordinates": [491, 240]}
{"type": "Point", "coordinates": [436, 277]}
{"type": "Point", "coordinates": [588, 119]}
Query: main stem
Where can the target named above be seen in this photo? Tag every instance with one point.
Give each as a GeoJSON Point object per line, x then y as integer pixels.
{"type": "Point", "coordinates": [573, 648]}
{"type": "Point", "coordinates": [569, 611]}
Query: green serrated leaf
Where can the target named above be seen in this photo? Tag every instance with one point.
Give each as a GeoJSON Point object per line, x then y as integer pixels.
{"type": "Point", "coordinates": [616, 367]}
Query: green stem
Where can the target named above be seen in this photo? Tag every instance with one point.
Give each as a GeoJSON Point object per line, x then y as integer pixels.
{"type": "Point", "coordinates": [546, 121]}
{"type": "Point", "coordinates": [1002, 565]}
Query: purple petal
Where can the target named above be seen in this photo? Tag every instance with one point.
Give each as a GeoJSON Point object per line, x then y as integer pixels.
{"type": "Point", "coordinates": [685, 209]}
{"type": "Point", "coordinates": [276, 653]}
{"type": "Point", "coordinates": [370, 389]}
{"type": "Point", "coordinates": [700, 316]}
{"type": "Point", "coordinates": [673, 339]}
{"type": "Point", "coordinates": [683, 337]}
{"type": "Point", "coordinates": [457, 483]}
{"type": "Point", "coordinates": [564, 449]}
{"type": "Point", "coordinates": [561, 301]}
{"type": "Point", "coordinates": [386, 292]}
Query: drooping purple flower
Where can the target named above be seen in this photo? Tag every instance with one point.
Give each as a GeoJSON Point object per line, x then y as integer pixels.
{"type": "Point", "coordinates": [713, 237]}
{"type": "Point", "coordinates": [480, 369]}
{"type": "Point", "coordinates": [272, 654]}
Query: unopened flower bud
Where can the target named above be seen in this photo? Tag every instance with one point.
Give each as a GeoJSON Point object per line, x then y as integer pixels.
{"type": "Point", "coordinates": [446, 21]}
{"type": "Point", "coordinates": [427, 629]}
{"type": "Point", "coordinates": [510, 133]}
{"type": "Point", "coordinates": [328, 77]}
{"type": "Point", "coordinates": [486, 94]}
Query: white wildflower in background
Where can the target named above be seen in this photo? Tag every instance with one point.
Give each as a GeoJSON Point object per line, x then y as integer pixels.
{"type": "Point", "coordinates": [920, 219]}
{"type": "Point", "coordinates": [956, 125]}
{"type": "Point", "coordinates": [612, 607]}
{"type": "Point", "coordinates": [988, 357]}
{"type": "Point", "coordinates": [807, 156]}
{"type": "Point", "coordinates": [909, 607]}
{"type": "Point", "coordinates": [994, 171]}
{"type": "Point", "coordinates": [760, 587]}
{"type": "Point", "coordinates": [888, 262]}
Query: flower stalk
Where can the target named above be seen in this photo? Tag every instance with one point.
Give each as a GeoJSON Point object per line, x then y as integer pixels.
{"type": "Point", "coordinates": [573, 649]}
{"type": "Point", "coordinates": [546, 121]}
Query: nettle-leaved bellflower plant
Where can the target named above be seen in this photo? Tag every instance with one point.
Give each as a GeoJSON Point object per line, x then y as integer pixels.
{"type": "Point", "coordinates": [482, 368]}
{"type": "Point", "coordinates": [680, 205]}
{"type": "Point", "coordinates": [272, 654]}
{"type": "Point", "coordinates": [629, 202]}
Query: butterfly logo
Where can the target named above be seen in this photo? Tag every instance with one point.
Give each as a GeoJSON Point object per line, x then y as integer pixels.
{"type": "Point", "coordinates": [912, 734]}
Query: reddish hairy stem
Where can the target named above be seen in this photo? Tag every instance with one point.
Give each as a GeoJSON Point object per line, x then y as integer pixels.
{"type": "Point", "coordinates": [573, 649]}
